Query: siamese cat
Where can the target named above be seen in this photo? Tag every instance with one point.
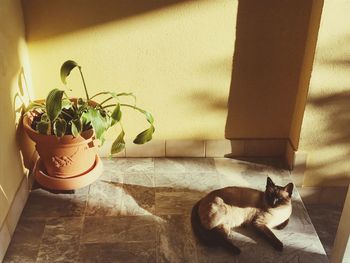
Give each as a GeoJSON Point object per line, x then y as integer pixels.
{"type": "Point", "coordinates": [215, 214]}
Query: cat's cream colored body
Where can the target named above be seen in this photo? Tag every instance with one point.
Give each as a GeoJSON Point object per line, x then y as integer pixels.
{"type": "Point", "coordinates": [233, 207]}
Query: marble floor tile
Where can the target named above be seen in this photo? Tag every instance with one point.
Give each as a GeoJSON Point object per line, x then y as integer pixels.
{"type": "Point", "coordinates": [129, 165]}
{"type": "Point", "coordinates": [175, 242]}
{"type": "Point", "coordinates": [45, 204]}
{"type": "Point", "coordinates": [120, 252]}
{"type": "Point", "coordinates": [138, 194]}
{"type": "Point", "coordinates": [61, 240]}
{"type": "Point", "coordinates": [25, 243]}
{"type": "Point", "coordinates": [119, 229]}
{"type": "Point", "coordinates": [325, 218]}
{"type": "Point", "coordinates": [174, 165]}
{"type": "Point", "coordinates": [180, 182]}
{"type": "Point", "coordinates": [104, 199]}
{"type": "Point", "coordinates": [139, 211]}
{"type": "Point", "coordinates": [176, 203]}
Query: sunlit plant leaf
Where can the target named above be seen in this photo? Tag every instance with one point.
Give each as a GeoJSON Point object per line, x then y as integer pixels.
{"type": "Point", "coordinates": [76, 127]}
{"type": "Point", "coordinates": [116, 114]}
{"type": "Point", "coordinates": [59, 127]}
{"type": "Point", "coordinates": [34, 105]}
{"type": "Point", "coordinates": [97, 121]}
{"type": "Point", "coordinates": [144, 136]}
{"type": "Point", "coordinates": [119, 144]}
{"type": "Point", "coordinates": [54, 103]}
{"type": "Point", "coordinates": [66, 68]}
{"type": "Point", "coordinates": [43, 127]}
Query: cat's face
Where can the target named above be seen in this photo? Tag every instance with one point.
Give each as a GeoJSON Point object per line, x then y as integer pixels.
{"type": "Point", "coordinates": [277, 195]}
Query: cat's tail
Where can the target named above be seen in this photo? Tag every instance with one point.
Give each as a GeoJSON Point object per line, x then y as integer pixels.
{"type": "Point", "coordinates": [211, 237]}
{"type": "Point", "coordinates": [203, 235]}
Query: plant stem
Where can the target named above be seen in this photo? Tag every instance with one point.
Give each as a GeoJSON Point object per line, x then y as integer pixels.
{"type": "Point", "coordinates": [67, 114]}
{"type": "Point", "coordinates": [106, 100]}
{"type": "Point", "coordinates": [82, 77]}
{"type": "Point", "coordinates": [126, 105]}
{"type": "Point", "coordinates": [100, 93]}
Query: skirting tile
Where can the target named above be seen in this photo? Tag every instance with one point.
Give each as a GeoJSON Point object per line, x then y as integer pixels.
{"type": "Point", "coordinates": [5, 239]}
{"type": "Point", "coordinates": [154, 148]}
{"type": "Point", "coordinates": [13, 216]}
{"type": "Point", "coordinates": [217, 148]}
{"type": "Point", "coordinates": [323, 195]}
{"type": "Point", "coordinates": [299, 167]}
{"type": "Point", "coordinates": [17, 206]}
{"type": "Point", "coordinates": [184, 148]}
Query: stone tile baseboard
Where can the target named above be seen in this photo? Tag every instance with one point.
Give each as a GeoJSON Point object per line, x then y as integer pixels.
{"type": "Point", "coordinates": [323, 195]}
{"type": "Point", "coordinates": [171, 148]}
{"type": "Point", "coordinates": [9, 225]}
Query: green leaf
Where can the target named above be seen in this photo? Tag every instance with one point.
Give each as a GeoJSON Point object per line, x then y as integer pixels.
{"type": "Point", "coordinates": [149, 117]}
{"type": "Point", "coordinates": [66, 104]}
{"type": "Point", "coordinates": [43, 127]}
{"type": "Point", "coordinates": [116, 115]}
{"type": "Point", "coordinates": [76, 127]}
{"type": "Point", "coordinates": [34, 105]}
{"type": "Point", "coordinates": [54, 103]}
{"type": "Point", "coordinates": [97, 121]}
{"type": "Point", "coordinates": [119, 144]}
{"type": "Point", "coordinates": [145, 136]}
{"type": "Point", "coordinates": [66, 68]}
{"type": "Point", "coordinates": [44, 118]}
{"type": "Point", "coordinates": [59, 127]}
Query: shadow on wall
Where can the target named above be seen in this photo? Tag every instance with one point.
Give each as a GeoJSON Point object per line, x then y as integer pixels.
{"type": "Point", "coordinates": [336, 139]}
{"type": "Point", "coordinates": [80, 14]}
{"type": "Point", "coordinates": [21, 100]}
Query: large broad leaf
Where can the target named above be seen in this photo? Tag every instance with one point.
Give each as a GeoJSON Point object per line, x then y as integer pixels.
{"type": "Point", "coordinates": [116, 114]}
{"type": "Point", "coordinates": [119, 144]}
{"type": "Point", "coordinates": [98, 122]}
{"type": "Point", "coordinates": [43, 127]}
{"type": "Point", "coordinates": [54, 103]}
{"type": "Point", "coordinates": [145, 136]}
{"type": "Point", "coordinates": [59, 127]}
{"type": "Point", "coordinates": [66, 68]}
{"type": "Point", "coordinates": [76, 127]}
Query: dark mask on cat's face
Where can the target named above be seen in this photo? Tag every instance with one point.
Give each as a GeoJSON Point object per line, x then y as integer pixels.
{"type": "Point", "coordinates": [277, 195]}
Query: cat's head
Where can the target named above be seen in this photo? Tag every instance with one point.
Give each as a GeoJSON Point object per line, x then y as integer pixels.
{"type": "Point", "coordinates": [277, 195]}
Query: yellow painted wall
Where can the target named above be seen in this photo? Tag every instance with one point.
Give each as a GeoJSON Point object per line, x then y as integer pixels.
{"type": "Point", "coordinates": [176, 56]}
{"type": "Point", "coordinates": [325, 132]}
{"type": "Point", "coordinates": [13, 56]}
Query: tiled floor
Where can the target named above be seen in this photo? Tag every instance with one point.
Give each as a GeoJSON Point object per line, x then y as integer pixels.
{"type": "Point", "coordinates": [326, 220]}
{"type": "Point", "coordinates": [139, 211]}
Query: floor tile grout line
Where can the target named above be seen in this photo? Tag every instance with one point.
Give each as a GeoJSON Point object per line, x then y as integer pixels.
{"type": "Point", "coordinates": [82, 224]}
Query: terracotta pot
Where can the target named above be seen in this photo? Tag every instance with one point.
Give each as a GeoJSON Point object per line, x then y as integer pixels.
{"type": "Point", "coordinates": [66, 156]}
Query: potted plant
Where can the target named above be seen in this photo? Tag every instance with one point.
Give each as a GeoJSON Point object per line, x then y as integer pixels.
{"type": "Point", "coordinates": [65, 131]}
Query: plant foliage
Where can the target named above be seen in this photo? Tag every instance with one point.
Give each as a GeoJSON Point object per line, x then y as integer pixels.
{"type": "Point", "coordinates": [60, 115]}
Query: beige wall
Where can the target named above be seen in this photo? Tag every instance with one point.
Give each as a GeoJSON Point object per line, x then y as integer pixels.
{"type": "Point", "coordinates": [176, 56]}
{"type": "Point", "coordinates": [13, 56]}
{"type": "Point", "coordinates": [325, 135]}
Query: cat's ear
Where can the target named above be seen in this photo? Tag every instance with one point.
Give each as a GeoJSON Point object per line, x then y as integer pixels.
{"type": "Point", "coordinates": [289, 188]}
{"type": "Point", "coordinates": [269, 183]}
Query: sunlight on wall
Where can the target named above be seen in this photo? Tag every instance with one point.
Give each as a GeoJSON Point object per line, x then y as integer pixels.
{"type": "Point", "coordinates": [13, 57]}
{"type": "Point", "coordinates": [177, 59]}
{"type": "Point", "coordinates": [325, 132]}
